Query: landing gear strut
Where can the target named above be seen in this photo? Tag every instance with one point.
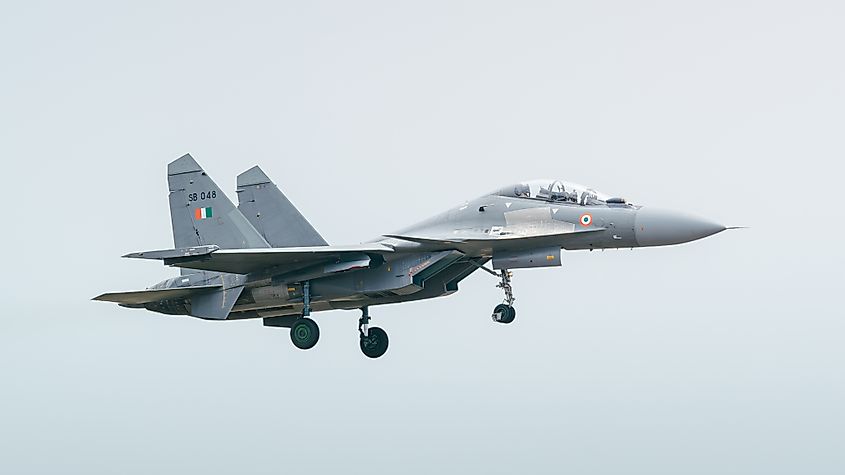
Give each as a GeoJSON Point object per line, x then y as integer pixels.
{"type": "Point", "coordinates": [504, 312]}
{"type": "Point", "coordinates": [304, 333]}
{"type": "Point", "coordinates": [373, 339]}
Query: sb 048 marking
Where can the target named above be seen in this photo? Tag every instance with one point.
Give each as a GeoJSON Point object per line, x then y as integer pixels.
{"type": "Point", "coordinates": [205, 195]}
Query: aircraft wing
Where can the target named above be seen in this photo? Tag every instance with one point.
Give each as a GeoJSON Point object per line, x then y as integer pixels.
{"type": "Point", "coordinates": [244, 261]}
{"type": "Point", "coordinates": [140, 297]}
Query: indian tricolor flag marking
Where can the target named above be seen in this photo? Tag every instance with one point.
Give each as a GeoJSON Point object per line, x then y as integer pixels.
{"type": "Point", "coordinates": [202, 213]}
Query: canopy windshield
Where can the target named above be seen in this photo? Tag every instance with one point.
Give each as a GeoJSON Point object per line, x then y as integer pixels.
{"type": "Point", "coordinates": [555, 191]}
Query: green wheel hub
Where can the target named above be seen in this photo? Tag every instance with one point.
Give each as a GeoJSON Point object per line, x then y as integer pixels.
{"type": "Point", "coordinates": [304, 333]}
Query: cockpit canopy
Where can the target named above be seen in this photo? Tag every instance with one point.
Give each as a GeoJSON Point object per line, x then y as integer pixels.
{"type": "Point", "coordinates": [556, 191]}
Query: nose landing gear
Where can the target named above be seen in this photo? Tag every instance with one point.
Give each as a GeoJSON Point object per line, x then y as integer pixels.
{"type": "Point", "coordinates": [504, 312]}
{"type": "Point", "coordinates": [373, 339]}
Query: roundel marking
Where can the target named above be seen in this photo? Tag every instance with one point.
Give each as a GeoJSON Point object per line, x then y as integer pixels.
{"type": "Point", "coordinates": [586, 219]}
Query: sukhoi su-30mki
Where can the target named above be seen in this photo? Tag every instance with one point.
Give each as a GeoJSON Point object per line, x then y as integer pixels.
{"type": "Point", "coordinates": [262, 259]}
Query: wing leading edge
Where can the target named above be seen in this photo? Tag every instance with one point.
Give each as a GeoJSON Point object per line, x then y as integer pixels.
{"type": "Point", "coordinates": [245, 261]}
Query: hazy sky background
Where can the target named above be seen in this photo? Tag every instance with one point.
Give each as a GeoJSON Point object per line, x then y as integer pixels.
{"type": "Point", "coordinates": [721, 356]}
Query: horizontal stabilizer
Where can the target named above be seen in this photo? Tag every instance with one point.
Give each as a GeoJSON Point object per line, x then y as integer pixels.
{"type": "Point", "coordinates": [182, 253]}
{"type": "Point", "coordinates": [140, 297]}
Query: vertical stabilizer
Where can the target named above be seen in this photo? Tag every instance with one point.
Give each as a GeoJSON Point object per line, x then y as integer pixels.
{"type": "Point", "coordinates": [272, 214]}
{"type": "Point", "coordinates": [200, 212]}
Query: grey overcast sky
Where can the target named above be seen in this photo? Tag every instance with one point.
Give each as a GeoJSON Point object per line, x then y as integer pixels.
{"type": "Point", "coordinates": [720, 356]}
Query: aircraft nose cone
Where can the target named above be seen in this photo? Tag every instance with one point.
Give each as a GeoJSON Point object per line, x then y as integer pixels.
{"type": "Point", "coordinates": [659, 227]}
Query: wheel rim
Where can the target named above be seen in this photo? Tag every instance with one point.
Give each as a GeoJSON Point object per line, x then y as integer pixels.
{"type": "Point", "coordinates": [304, 334]}
{"type": "Point", "coordinates": [371, 342]}
{"type": "Point", "coordinates": [374, 344]}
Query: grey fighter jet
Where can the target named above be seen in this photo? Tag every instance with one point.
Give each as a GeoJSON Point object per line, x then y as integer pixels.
{"type": "Point", "coordinates": [262, 259]}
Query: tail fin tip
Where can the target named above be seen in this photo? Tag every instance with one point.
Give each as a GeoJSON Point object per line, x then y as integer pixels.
{"type": "Point", "coordinates": [253, 176]}
{"type": "Point", "coordinates": [183, 164]}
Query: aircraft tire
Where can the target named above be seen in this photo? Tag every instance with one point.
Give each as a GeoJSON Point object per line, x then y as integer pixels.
{"type": "Point", "coordinates": [504, 313]}
{"type": "Point", "coordinates": [375, 343]}
{"type": "Point", "coordinates": [511, 314]}
{"type": "Point", "coordinates": [304, 333]}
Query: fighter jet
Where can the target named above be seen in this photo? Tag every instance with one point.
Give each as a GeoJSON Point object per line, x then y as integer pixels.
{"type": "Point", "coordinates": [264, 260]}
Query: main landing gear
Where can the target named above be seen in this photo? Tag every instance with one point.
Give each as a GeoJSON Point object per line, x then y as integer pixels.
{"type": "Point", "coordinates": [504, 312]}
{"type": "Point", "coordinates": [373, 339]}
{"type": "Point", "coordinates": [304, 333]}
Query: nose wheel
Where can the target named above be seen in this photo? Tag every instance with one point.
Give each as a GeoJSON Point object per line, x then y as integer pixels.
{"type": "Point", "coordinates": [373, 339]}
{"type": "Point", "coordinates": [504, 313]}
